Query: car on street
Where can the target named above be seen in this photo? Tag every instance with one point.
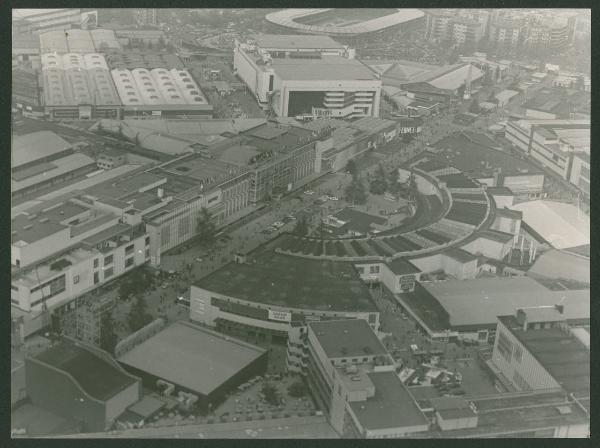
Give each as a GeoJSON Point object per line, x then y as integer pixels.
{"type": "Point", "coordinates": [309, 192]}
{"type": "Point", "coordinates": [278, 224]}
{"type": "Point", "coordinates": [198, 259]}
{"type": "Point", "coordinates": [333, 198]}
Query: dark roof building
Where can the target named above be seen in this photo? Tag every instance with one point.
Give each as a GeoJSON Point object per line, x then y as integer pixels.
{"type": "Point", "coordinates": [282, 280]}
{"type": "Point", "coordinates": [78, 381]}
{"type": "Point", "coordinates": [195, 359]}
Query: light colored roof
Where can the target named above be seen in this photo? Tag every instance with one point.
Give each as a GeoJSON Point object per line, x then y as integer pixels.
{"type": "Point", "coordinates": [32, 13]}
{"type": "Point", "coordinates": [191, 357]}
{"type": "Point", "coordinates": [505, 95]}
{"type": "Point", "coordinates": [37, 145]}
{"type": "Point", "coordinates": [583, 335]}
{"type": "Point", "coordinates": [55, 169]}
{"type": "Point", "coordinates": [105, 37]}
{"type": "Point", "coordinates": [73, 79]}
{"type": "Point", "coordinates": [159, 86]}
{"type": "Point", "coordinates": [455, 78]}
{"type": "Point", "coordinates": [556, 264]}
{"type": "Point", "coordinates": [327, 68]}
{"type": "Point", "coordinates": [562, 225]}
{"type": "Point", "coordinates": [286, 17]}
{"type": "Point", "coordinates": [280, 41]}
{"type": "Point", "coordinates": [480, 301]}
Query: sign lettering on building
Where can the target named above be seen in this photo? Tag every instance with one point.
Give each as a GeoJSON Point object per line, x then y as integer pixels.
{"type": "Point", "coordinates": [281, 316]}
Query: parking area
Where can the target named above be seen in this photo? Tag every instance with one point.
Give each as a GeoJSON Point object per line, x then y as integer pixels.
{"type": "Point", "coordinates": [250, 403]}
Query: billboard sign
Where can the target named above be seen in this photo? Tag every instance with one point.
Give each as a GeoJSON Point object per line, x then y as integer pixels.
{"type": "Point", "coordinates": [280, 316]}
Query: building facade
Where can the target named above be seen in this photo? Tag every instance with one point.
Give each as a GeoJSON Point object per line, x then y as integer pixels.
{"type": "Point", "coordinates": [311, 80]}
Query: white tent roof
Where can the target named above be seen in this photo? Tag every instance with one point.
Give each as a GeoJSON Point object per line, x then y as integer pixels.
{"type": "Point", "coordinates": [562, 225]}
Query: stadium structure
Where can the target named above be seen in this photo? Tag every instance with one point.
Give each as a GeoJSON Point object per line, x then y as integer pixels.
{"type": "Point", "coordinates": [346, 24]}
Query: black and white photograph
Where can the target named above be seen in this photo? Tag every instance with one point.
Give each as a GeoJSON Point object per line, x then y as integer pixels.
{"type": "Point", "coordinates": [311, 223]}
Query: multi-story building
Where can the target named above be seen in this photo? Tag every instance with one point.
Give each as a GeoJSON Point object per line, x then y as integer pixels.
{"type": "Point", "coordinates": [307, 75]}
{"type": "Point", "coordinates": [555, 144]}
{"type": "Point", "coordinates": [438, 23]}
{"type": "Point", "coordinates": [353, 378]}
{"type": "Point", "coordinates": [145, 16]}
{"type": "Point", "coordinates": [234, 301]}
{"type": "Point", "coordinates": [580, 172]}
{"type": "Point", "coordinates": [466, 31]}
{"type": "Point", "coordinates": [507, 33]}
{"type": "Point", "coordinates": [549, 33]}
{"type": "Point", "coordinates": [463, 27]}
{"type": "Point", "coordinates": [63, 249]}
{"type": "Point", "coordinates": [88, 319]}
{"type": "Point", "coordinates": [535, 350]}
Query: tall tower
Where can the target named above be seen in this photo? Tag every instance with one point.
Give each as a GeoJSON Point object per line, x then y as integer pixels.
{"type": "Point", "coordinates": [467, 94]}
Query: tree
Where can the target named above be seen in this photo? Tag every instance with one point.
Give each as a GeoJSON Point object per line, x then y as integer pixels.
{"type": "Point", "coordinates": [301, 227]}
{"type": "Point", "coordinates": [351, 167]}
{"type": "Point", "coordinates": [108, 337]}
{"type": "Point", "coordinates": [355, 192]}
{"type": "Point", "coordinates": [474, 107]}
{"type": "Point", "coordinates": [378, 186]}
{"type": "Point", "coordinates": [205, 227]}
{"type": "Point", "coordinates": [138, 315]}
{"type": "Point", "coordinates": [271, 394]}
{"type": "Point", "coordinates": [297, 389]}
{"type": "Point", "coordinates": [392, 177]}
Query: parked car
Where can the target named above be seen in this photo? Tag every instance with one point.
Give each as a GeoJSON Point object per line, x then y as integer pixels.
{"type": "Point", "coordinates": [278, 224]}
{"type": "Point", "coordinates": [333, 198]}
{"type": "Point", "coordinates": [309, 192]}
{"type": "Point", "coordinates": [198, 259]}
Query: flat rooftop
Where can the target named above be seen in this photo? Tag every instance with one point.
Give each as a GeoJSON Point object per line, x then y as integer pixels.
{"type": "Point", "coordinates": [347, 338]}
{"type": "Point", "coordinates": [43, 172]}
{"type": "Point", "coordinates": [327, 68]}
{"type": "Point", "coordinates": [480, 301]}
{"type": "Point", "coordinates": [30, 227]}
{"type": "Point", "coordinates": [559, 352]}
{"type": "Point", "coordinates": [561, 224]}
{"type": "Point", "coordinates": [500, 414]}
{"type": "Point", "coordinates": [289, 281]}
{"type": "Point", "coordinates": [300, 41]}
{"type": "Point", "coordinates": [401, 266]}
{"type": "Point", "coordinates": [472, 156]}
{"type": "Point", "coordinates": [391, 407]}
{"type": "Point", "coordinates": [29, 148]}
{"type": "Point", "coordinates": [191, 357]}
{"type": "Point", "coordinates": [96, 376]}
